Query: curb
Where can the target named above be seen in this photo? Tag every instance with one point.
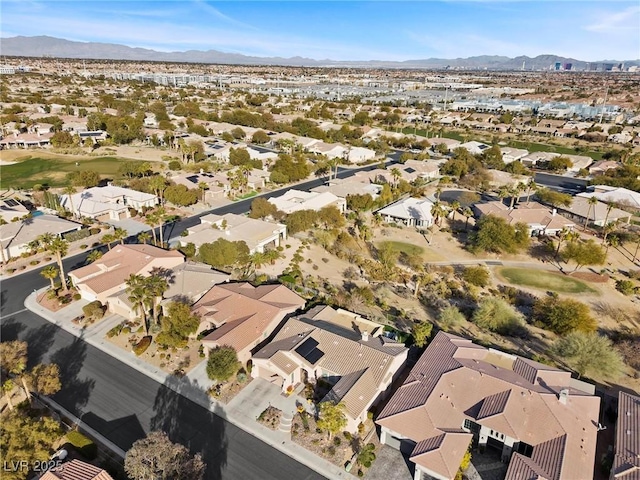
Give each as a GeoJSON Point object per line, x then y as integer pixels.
{"type": "Point", "coordinates": [285, 446]}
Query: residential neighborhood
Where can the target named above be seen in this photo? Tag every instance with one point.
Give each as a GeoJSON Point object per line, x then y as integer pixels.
{"type": "Point", "coordinates": [247, 270]}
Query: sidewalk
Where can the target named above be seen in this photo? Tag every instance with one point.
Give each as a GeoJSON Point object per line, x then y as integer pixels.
{"type": "Point", "coordinates": [243, 418]}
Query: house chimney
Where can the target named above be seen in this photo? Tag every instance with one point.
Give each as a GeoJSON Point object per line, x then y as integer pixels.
{"type": "Point", "coordinates": [553, 212]}
{"type": "Point", "coordinates": [365, 336]}
{"type": "Point", "coordinates": [564, 395]}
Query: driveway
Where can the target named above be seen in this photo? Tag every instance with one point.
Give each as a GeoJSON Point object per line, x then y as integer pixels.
{"type": "Point", "coordinates": [260, 394]}
{"type": "Point", "coordinates": [390, 464]}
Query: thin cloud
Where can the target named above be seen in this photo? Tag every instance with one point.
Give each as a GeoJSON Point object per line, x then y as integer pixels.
{"type": "Point", "coordinates": [614, 22]}
{"type": "Point", "coordinates": [210, 9]}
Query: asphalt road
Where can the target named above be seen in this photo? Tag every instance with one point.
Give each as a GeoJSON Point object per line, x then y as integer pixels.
{"type": "Point", "coordinates": [124, 404]}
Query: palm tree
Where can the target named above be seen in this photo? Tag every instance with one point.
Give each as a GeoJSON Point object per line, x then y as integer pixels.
{"type": "Point", "coordinates": [58, 247]}
{"type": "Point", "coordinates": [50, 272]}
{"type": "Point", "coordinates": [202, 186]}
{"type": "Point", "coordinates": [156, 286]}
{"type": "Point", "coordinates": [606, 220]}
{"type": "Point", "coordinates": [455, 205]}
{"type": "Point", "coordinates": [144, 237]}
{"type": "Point", "coordinates": [119, 234]}
{"type": "Point", "coordinates": [161, 213]}
{"type": "Point", "coordinates": [468, 213]}
{"type": "Point", "coordinates": [158, 185]}
{"type": "Point", "coordinates": [2, 252]}
{"type": "Point", "coordinates": [562, 234]}
{"type": "Point", "coordinates": [608, 228]}
{"type": "Point", "coordinates": [593, 201]}
{"type": "Point", "coordinates": [613, 241]}
{"type": "Point", "coordinates": [503, 192]}
{"type": "Point", "coordinates": [93, 256]}
{"type": "Point", "coordinates": [108, 239]}
{"type": "Point", "coordinates": [69, 191]}
{"type": "Point", "coordinates": [138, 296]}
{"type": "Point", "coordinates": [271, 256]}
{"type": "Point", "coordinates": [396, 174]}
{"type": "Point", "coordinates": [438, 193]}
{"type": "Point", "coordinates": [438, 211]}
{"type": "Point", "coordinates": [151, 219]}
{"type": "Point", "coordinates": [531, 187]}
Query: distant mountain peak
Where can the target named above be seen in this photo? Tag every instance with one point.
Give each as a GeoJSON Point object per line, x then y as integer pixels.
{"type": "Point", "coordinates": [44, 45]}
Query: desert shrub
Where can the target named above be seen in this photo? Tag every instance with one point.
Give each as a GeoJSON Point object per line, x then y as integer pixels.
{"type": "Point", "coordinates": [10, 270]}
{"type": "Point", "coordinates": [83, 445]}
{"type": "Point", "coordinates": [34, 262]}
{"type": "Point", "coordinates": [337, 441]}
{"type": "Point", "coordinates": [142, 345]}
{"type": "Point", "coordinates": [563, 315]}
{"type": "Point", "coordinates": [115, 331]}
{"type": "Point", "coordinates": [77, 296]}
{"type": "Point", "coordinates": [625, 287]}
{"type": "Point", "coordinates": [498, 316]}
{"type": "Point", "coordinates": [476, 275]}
{"type": "Point", "coordinates": [94, 309]}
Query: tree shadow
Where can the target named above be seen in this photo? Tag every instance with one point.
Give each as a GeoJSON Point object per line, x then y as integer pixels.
{"type": "Point", "coordinates": [39, 341]}
{"type": "Point", "coordinates": [10, 329]}
{"type": "Point", "coordinates": [76, 390]}
{"type": "Point", "coordinates": [185, 423]}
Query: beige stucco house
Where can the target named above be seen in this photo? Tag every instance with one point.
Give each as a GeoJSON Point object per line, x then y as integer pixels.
{"type": "Point", "coordinates": [105, 279]}
{"type": "Point", "coordinates": [338, 347]}
{"type": "Point", "coordinates": [243, 316]}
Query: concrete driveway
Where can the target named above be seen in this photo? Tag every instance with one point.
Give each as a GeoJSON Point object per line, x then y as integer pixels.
{"type": "Point", "coordinates": [260, 394]}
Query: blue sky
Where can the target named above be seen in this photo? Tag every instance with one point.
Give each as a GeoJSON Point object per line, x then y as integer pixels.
{"type": "Point", "coordinates": [361, 30]}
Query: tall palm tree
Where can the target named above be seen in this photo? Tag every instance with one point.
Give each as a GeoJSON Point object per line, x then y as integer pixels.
{"type": "Point", "coordinates": [69, 191]}
{"type": "Point", "coordinates": [138, 296]}
{"type": "Point", "coordinates": [156, 286]}
{"type": "Point", "coordinates": [108, 239]}
{"type": "Point", "coordinates": [162, 214]}
{"type": "Point", "coordinates": [468, 213]}
{"type": "Point", "coordinates": [438, 211]}
{"type": "Point", "coordinates": [593, 201]}
{"type": "Point", "coordinates": [144, 237]}
{"type": "Point", "coordinates": [50, 272]}
{"type": "Point", "coordinates": [202, 186]}
{"type": "Point", "coordinates": [455, 205]}
{"type": "Point", "coordinates": [158, 185]}
{"type": "Point", "coordinates": [58, 247]}
{"type": "Point", "coordinates": [119, 234]}
{"type": "Point", "coordinates": [396, 174]}
{"type": "Point", "coordinates": [151, 219]}
{"type": "Point", "coordinates": [531, 187]}
{"type": "Point", "coordinates": [606, 219]}
{"type": "Point", "coordinates": [2, 252]}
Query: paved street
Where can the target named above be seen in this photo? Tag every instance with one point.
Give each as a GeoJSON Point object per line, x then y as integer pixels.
{"type": "Point", "coordinates": [124, 404]}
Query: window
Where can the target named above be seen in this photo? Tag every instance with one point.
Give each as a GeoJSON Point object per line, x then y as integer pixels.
{"type": "Point", "coordinates": [467, 424]}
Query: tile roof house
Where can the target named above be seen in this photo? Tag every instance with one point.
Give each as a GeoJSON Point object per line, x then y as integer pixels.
{"type": "Point", "coordinates": [543, 422]}
{"type": "Point", "coordinates": [412, 212]}
{"type": "Point", "coordinates": [294, 200]}
{"type": "Point", "coordinates": [257, 234]}
{"type": "Point", "coordinates": [617, 195]}
{"type": "Point", "coordinates": [16, 236]}
{"type": "Point", "coordinates": [626, 460]}
{"type": "Point", "coordinates": [580, 208]}
{"type": "Point", "coordinates": [107, 203]}
{"type": "Point", "coordinates": [339, 347]}
{"type": "Point", "coordinates": [11, 209]}
{"type": "Point", "coordinates": [413, 169]}
{"type": "Point", "coordinates": [540, 219]}
{"type": "Point", "coordinates": [189, 281]}
{"type": "Point", "coordinates": [244, 316]}
{"type": "Point", "coordinates": [104, 279]}
{"type": "Point", "coordinates": [76, 470]}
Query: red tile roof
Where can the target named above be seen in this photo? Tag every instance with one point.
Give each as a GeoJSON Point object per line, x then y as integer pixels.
{"type": "Point", "coordinates": [76, 470]}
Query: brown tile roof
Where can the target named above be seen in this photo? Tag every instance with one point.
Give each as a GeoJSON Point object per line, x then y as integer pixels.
{"type": "Point", "coordinates": [243, 312]}
{"type": "Point", "coordinates": [626, 462]}
{"type": "Point", "coordinates": [532, 214]}
{"type": "Point", "coordinates": [76, 470]}
{"type": "Point", "coordinates": [442, 453]}
{"type": "Point", "coordinates": [119, 263]}
{"type": "Point", "coordinates": [456, 380]}
{"type": "Point", "coordinates": [361, 365]}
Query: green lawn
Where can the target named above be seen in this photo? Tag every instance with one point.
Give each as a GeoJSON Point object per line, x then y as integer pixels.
{"type": "Point", "coordinates": [544, 280]}
{"type": "Point", "coordinates": [403, 247]}
{"type": "Point", "coordinates": [53, 171]}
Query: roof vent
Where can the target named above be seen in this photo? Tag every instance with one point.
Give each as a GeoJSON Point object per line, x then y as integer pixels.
{"type": "Point", "coordinates": [564, 395]}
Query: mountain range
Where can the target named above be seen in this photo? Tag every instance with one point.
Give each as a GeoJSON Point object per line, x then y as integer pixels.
{"type": "Point", "coordinates": [44, 46]}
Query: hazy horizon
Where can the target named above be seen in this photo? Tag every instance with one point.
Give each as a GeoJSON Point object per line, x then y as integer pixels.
{"type": "Point", "coordinates": [352, 31]}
